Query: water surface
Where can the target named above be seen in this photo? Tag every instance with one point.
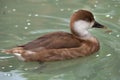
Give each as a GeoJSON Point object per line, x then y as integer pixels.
{"type": "Point", "coordinates": [24, 20]}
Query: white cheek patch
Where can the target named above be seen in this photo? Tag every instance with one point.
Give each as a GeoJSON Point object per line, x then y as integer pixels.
{"type": "Point", "coordinates": [81, 24]}
{"type": "Point", "coordinates": [81, 27]}
{"type": "Point", "coordinates": [19, 56]}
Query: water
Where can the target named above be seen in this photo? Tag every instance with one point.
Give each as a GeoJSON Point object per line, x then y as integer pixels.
{"type": "Point", "coordinates": [24, 20]}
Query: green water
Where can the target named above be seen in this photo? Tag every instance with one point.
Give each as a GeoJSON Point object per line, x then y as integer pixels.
{"type": "Point", "coordinates": [24, 20]}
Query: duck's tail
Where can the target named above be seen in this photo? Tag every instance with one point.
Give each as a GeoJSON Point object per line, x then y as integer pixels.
{"type": "Point", "coordinates": [19, 50]}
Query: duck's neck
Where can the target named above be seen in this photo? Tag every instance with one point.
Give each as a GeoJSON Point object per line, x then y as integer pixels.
{"type": "Point", "coordinates": [81, 29]}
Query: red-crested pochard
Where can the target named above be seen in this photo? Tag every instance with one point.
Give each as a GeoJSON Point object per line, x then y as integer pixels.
{"type": "Point", "coordinates": [62, 45]}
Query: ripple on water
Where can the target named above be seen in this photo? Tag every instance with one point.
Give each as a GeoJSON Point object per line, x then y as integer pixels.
{"type": "Point", "coordinates": [107, 15]}
{"type": "Point", "coordinates": [45, 31]}
{"type": "Point", "coordinates": [69, 9]}
{"type": "Point", "coordinates": [108, 55]}
{"type": "Point", "coordinates": [28, 20]}
{"type": "Point", "coordinates": [61, 9]}
{"type": "Point", "coordinates": [95, 5]}
{"type": "Point", "coordinates": [97, 55]}
{"type": "Point", "coordinates": [26, 27]}
{"type": "Point", "coordinates": [96, 1]}
{"type": "Point", "coordinates": [3, 67]}
{"type": "Point", "coordinates": [6, 7]}
{"type": "Point", "coordinates": [10, 66]}
{"type": "Point", "coordinates": [12, 75]}
{"type": "Point", "coordinates": [26, 69]}
{"type": "Point", "coordinates": [8, 74]}
{"type": "Point", "coordinates": [6, 57]}
{"type": "Point", "coordinates": [28, 23]}
{"type": "Point", "coordinates": [16, 26]}
{"type": "Point", "coordinates": [54, 17]}
{"type": "Point", "coordinates": [36, 15]}
{"type": "Point", "coordinates": [117, 35]}
{"type": "Point", "coordinates": [14, 10]}
{"type": "Point", "coordinates": [30, 14]}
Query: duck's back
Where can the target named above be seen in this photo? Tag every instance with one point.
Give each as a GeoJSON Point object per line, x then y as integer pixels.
{"type": "Point", "coordinates": [56, 40]}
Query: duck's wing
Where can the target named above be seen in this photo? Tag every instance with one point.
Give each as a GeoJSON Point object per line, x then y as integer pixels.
{"type": "Point", "coordinates": [56, 40]}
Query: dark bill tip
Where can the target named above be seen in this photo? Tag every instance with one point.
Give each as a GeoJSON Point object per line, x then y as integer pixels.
{"type": "Point", "coordinates": [97, 25]}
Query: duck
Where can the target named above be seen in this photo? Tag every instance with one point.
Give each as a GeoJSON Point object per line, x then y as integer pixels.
{"type": "Point", "coordinates": [57, 46]}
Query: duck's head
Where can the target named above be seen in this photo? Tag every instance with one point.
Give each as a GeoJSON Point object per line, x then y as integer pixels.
{"type": "Point", "coordinates": [81, 21]}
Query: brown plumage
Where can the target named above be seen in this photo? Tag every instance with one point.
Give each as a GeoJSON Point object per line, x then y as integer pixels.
{"type": "Point", "coordinates": [60, 45]}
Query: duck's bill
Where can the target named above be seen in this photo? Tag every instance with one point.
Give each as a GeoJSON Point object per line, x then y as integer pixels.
{"type": "Point", "coordinates": [97, 25]}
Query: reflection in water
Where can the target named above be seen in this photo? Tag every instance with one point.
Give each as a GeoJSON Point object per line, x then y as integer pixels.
{"type": "Point", "coordinates": [24, 20]}
{"type": "Point", "coordinates": [12, 75]}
